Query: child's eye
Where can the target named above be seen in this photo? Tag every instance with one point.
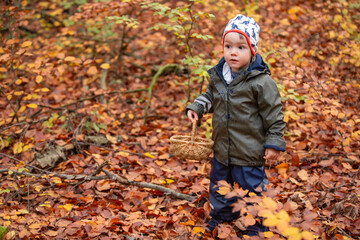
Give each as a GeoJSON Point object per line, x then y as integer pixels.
{"type": "Point", "coordinates": [227, 46]}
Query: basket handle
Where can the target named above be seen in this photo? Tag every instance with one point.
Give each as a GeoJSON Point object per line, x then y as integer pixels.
{"type": "Point", "coordinates": [193, 131]}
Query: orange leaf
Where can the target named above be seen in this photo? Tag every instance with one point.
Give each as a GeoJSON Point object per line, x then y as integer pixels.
{"type": "Point", "coordinates": [283, 165]}
{"type": "Point", "coordinates": [26, 44]}
{"type": "Point", "coordinates": [69, 59]}
{"type": "Point", "coordinates": [198, 230]}
{"type": "Point", "coordinates": [92, 70]}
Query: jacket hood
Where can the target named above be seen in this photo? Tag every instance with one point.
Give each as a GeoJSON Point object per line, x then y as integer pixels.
{"type": "Point", "coordinates": [256, 64]}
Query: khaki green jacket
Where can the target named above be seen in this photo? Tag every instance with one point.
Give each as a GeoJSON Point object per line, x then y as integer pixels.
{"type": "Point", "coordinates": [247, 114]}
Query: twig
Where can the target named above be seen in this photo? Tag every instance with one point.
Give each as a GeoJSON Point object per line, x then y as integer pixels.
{"type": "Point", "coordinates": [26, 165]}
{"type": "Point", "coordinates": [337, 227]}
{"type": "Point", "coordinates": [22, 123]}
{"type": "Point", "coordinates": [96, 172]}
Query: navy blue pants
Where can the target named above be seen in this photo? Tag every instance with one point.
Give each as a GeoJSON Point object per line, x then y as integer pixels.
{"type": "Point", "coordinates": [247, 177]}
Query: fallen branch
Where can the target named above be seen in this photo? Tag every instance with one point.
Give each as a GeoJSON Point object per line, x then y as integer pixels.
{"type": "Point", "coordinates": [165, 190]}
{"type": "Point", "coordinates": [60, 175]}
{"type": "Point", "coordinates": [109, 175]}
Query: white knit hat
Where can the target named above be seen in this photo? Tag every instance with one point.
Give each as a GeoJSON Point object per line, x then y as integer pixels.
{"type": "Point", "coordinates": [247, 27]}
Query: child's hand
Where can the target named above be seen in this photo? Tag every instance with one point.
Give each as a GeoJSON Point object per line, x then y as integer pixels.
{"type": "Point", "coordinates": [192, 115]}
{"type": "Point", "coordinates": [271, 154]}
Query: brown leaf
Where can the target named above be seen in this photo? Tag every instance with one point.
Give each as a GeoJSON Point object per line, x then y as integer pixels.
{"type": "Point", "coordinates": [224, 232]}
{"type": "Point", "coordinates": [326, 163]}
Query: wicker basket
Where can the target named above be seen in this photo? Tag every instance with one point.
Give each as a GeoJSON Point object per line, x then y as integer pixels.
{"type": "Point", "coordinates": [191, 147]}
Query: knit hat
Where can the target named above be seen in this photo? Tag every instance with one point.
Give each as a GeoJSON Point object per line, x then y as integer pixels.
{"type": "Point", "coordinates": [247, 27]}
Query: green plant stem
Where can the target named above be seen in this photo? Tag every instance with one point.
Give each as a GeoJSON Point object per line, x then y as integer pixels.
{"type": "Point", "coordinates": [159, 72]}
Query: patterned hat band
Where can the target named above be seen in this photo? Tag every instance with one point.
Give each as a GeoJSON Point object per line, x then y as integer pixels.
{"type": "Point", "coordinates": [246, 37]}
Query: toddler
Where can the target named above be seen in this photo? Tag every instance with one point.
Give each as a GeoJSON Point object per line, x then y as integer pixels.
{"type": "Point", "coordinates": [247, 118]}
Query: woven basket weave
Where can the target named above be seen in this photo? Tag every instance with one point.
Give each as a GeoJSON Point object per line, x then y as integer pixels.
{"type": "Point", "coordinates": [191, 147]}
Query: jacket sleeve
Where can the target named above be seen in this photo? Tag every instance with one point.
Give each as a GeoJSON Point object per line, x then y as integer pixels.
{"type": "Point", "coordinates": [202, 104]}
{"type": "Point", "coordinates": [270, 110]}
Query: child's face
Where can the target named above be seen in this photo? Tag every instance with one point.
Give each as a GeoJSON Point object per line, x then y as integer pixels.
{"type": "Point", "coordinates": [237, 52]}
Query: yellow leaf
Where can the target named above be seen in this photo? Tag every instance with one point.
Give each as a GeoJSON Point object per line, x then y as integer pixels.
{"type": "Point", "coordinates": [252, 194]}
{"type": "Point", "coordinates": [148, 155]}
{"type": "Point", "coordinates": [22, 108]}
{"type": "Point", "coordinates": [286, 118]}
{"type": "Point", "coordinates": [45, 90]}
{"type": "Point", "coordinates": [198, 230]}
{"type": "Point", "coordinates": [131, 116]}
{"type": "Point", "coordinates": [38, 79]}
{"type": "Point", "coordinates": [26, 44]}
{"type": "Point", "coordinates": [19, 93]}
{"type": "Point", "coordinates": [269, 203]}
{"type": "Point", "coordinates": [332, 34]}
{"type": "Point", "coordinates": [105, 66]}
{"type": "Point", "coordinates": [283, 215]}
{"type": "Point", "coordinates": [271, 221]}
{"type": "Point", "coordinates": [294, 116]}
{"type": "Point", "coordinates": [307, 235]}
{"type": "Point", "coordinates": [18, 82]}
{"type": "Point", "coordinates": [167, 181]}
{"type": "Point", "coordinates": [271, 60]}
{"type": "Point", "coordinates": [56, 180]}
{"type": "Point", "coordinates": [3, 69]}
{"type": "Point", "coordinates": [224, 190]}
{"type": "Point", "coordinates": [291, 231]}
{"type": "Point", "coordinates": [69, 59]}
{"type": "Point", "coordinates": [27, 147]}
{"type": "Point", "coordinates": [268, 234]}
{"type": "Point", "coordinates": [18, 147]}
{"type": "Point", "coordinates": [32, 105]}
{"type": "Point", "coordinates": [295, 9]}
{"type": "Point", "coordinates": [282, 225]}
{"type": "Point", "coordinates": [67, 207]}
{"type": "Point", "coordinates": [337, 18]}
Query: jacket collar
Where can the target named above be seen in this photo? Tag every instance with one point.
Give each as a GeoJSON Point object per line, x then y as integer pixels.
{"type": "Point", "coordinates": [256, 67]}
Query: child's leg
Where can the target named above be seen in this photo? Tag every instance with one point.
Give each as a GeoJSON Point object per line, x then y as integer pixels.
{"type": "Point", "coordinates": [221, 209]}
{"type": "Point", "coordinates": [250, 178]}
